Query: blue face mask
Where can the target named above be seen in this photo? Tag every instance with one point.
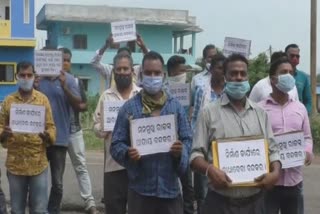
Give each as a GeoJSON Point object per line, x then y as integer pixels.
{"type": "Point", "coordinates": [152, 84]}
{"type": "Point", "coordinates": [25, 84]}
{"type": "Point", "coordinates": [237, 90]}
{"type": "Point", "coordinates": [286, 83]}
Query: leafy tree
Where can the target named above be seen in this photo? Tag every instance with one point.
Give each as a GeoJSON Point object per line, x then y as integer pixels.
{"type": "Point", "coordinates": [258, 68]}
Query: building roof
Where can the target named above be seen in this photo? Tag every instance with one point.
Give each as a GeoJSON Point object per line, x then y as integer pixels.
{"type": "Point", "coordinates": [179, 19]}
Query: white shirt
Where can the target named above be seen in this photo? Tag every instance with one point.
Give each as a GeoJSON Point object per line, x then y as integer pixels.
{"type": "Point", "coordinates": [201, 80]}
{"type": "Point", "coordinates": [262, 89]}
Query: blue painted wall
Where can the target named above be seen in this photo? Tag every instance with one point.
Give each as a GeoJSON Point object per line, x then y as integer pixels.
{"type": "Point", "coordinates": [18, 28]}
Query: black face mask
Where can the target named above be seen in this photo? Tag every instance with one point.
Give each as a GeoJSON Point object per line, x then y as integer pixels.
{"type": "Point", "coordinates": [123, 81]}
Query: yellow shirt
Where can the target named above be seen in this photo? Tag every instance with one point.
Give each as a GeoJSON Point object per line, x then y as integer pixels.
{"type": "Point", "coordinates": [27, 152]}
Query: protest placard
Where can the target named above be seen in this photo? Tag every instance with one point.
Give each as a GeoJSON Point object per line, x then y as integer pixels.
{"type": "Point", "coordinates": [48, 63]}
{"type": "Point", "coordinates": [181, 92]}
{"type": "Point", "coordinates": [110, 113]}
{"type": "Point", "coordinates": [153, 134]}
{"type": "Point", "coordinates": [124, 31]}
{"type": "Point", "coordinates": [242, 160]}
{"type": "Point", "coordinates": [236, 46]}
{"type": "Point", "coordinates": [25, 118]}
{"type": "Point", "coordinates": [292, 149]}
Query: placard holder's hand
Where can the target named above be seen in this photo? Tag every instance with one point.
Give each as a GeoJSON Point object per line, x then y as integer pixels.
{"type": "Point", "coordinates": [134, 154]}
{"type": "Point", "coordinates": [109, 41]}
{"type": "Point", "coordinates": [45, 136]}
{"type": "Point", "coordinates": [309, 158]}
{"type": "Point", "coordinates": [176, 149]}
{"type": "Point", "coordinates": [218, 178]}
{"type": "Point", "coordinates": [140, 41]}
{"type": "Point", "coordinates": [6, 133]}
{"type": "Point", "coordinates": [267, 180]}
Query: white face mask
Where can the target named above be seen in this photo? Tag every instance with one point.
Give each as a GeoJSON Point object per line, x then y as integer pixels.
{"type": "Point", "coordinates": [181, 78]}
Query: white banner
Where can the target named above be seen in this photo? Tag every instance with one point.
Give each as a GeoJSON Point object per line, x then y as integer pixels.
{"type": "Point", "coordinates": [243, 161]}
{"type": "Point", "coordinates": [48, 63]}
{"type": "Point", "coordinates": [153, 134]}
{"type": "Point", "coordinates": [25, 118]}
{"type": "Point", "coordinates": [181, 92]}
{"type": "Point", "coordinates": [124, 31]}
{"type": "Point", "coordinates": [110, 113]}
{"type": "Point", "coordinates": [236, 46]}
{"type": "Point", "coordinates": [292, 149]}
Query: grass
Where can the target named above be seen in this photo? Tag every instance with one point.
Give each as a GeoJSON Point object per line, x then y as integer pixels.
{"type": "Point", "coordinates": [91, 141]}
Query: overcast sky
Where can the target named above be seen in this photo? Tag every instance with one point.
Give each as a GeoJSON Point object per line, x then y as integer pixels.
{"type": "Point", "coordinates": [269, 22]}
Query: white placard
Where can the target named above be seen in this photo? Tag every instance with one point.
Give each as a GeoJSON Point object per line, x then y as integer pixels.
{"type": "Point", "coordinates": [243, 161]}
{"type": "Point", "coordinates": [153, 134]}
{"type": "Point", "coordinates": [25, 118]}
{"type": "Point", "coordinates": [292, 149]}
{"type": "Point", "coordinates": [124, 31]}
{"type": "Point", "coordinates": [48, 63]}
{"type": "Point", "coordinates": [110, 113]}
{"type": "Point", "coordinates": [181, 92]}
{"type": "Point", "coordinates": [236, 46]}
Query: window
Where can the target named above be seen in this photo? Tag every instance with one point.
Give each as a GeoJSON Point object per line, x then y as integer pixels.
{"type": "Point", "coordinates": [85, 84]}
{"type": "Point", "coordinates": [80, 41]}
{"type": "Point", "coordinates": [26, 12]}
{"type": "Point", "coordinates": [7, 73]}
{"type": "Point", "coordinates": [7, 13]}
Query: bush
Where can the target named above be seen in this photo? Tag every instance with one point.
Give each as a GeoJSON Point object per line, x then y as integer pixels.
{"type": "Point", "coordinates": [315, 129]}
{"type": "Point", "coordinates": [86, 117]}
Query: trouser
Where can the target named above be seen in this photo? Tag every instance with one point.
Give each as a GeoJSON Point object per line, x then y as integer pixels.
{"type": "Point", "coordinates": [216, 203]}
{"type": "Point", "coordinates": [37, 186]}
{"type": "Point", "coordinates": [288, 200]}
{"type": "Point", "coordinates": [116, 192]}
{"type": "Point", "coordinates": [76, 150]}
{"type": "Point", "coordinates": [187, 192]}
{"type": "Point", "coordinates": [57, 157]}
{"type": "Point", "coordinates": [200, 189]}
{"type": "Point", "coordinates": [138, 204]}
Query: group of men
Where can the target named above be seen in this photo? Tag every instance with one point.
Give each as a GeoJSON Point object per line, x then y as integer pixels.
{"type": "Point", "coordinates": [162, 182]}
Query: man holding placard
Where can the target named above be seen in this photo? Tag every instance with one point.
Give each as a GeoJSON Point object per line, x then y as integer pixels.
{"type": "Point", "coordinates": [27, 129]}
{"type": "Point", "coordinates": [115, 176]}
{"type": "Point", "coordinates": [152, 140]}
{"type": "Point", "coordinates": [234, 116]}
{"type": "Point", "coordinates": [289, 119]}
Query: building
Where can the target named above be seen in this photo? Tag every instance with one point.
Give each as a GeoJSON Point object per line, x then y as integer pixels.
{"type": "Point", "coordinates": [84, 29]}
{"type": "Point", "coordinates": [17, 40]}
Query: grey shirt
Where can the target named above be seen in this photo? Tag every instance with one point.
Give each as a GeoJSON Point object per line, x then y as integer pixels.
{"type": "Point", "coordinates": [219, 120]}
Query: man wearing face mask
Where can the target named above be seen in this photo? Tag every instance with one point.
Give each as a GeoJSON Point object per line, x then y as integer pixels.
{"type": "Point", "coordinates": [233, 116]}
{"type": "Point", "coordinates": [153, 179]}
{"type": "Point", "coordinates": [286, 115]}
{"type": "Point", "coordinates": [115, 176]}
{"type": "Point", "coordinates": [27, 164]}
{"type": "Point", "coordinates": [63, 94]}
{"type": "Point", "coordinates": [76, 146]}
{"type": "Point", "coordinates": [302, 79]}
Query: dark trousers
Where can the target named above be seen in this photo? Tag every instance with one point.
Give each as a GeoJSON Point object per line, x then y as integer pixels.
{"type": "Point", "coordinates": [288, 200]}
{"type": "Point", "coordinates": [187, 192]}
{"type": "Point", "coordinates": [200, 189]}
{"type": "Point", "coordinates": [139, 204]}
{"type": "Point", "coordinates": [216, 203]}
{"type": "Point", "coordinates": [116, 192]}
{"type": "Point", "coordinates": [57, 158]}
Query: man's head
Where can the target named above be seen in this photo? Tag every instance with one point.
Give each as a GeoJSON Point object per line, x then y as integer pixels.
{"type": "Point", "coordinates": [177, 69]}
{"type": "Point", "coordinates": [25, 76]}
{"type": "Point", "coordinates": [236, 75]}
{"type": "Point", "coordinates": [280, 76]}
{"type": "Point", "coordinates": [216, 66]}
{"type": "Point", "coordinates": [152, 70]}
{"type": "Point", "coordinates": [208, 52]}
{"type": "Point", "coordinates": [124, 50]}
{"type": "Point", "coordinates": [123, 70]}
{"type": "Point", "coordinates": [293, 53]}
{"type": "Point", "coordinates": [67, 55]}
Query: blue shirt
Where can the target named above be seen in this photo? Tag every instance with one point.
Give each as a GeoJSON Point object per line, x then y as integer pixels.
{"type": "Point", "coordinates": [304, 89]}
{"type": "Point", "coordinates": [61, 108]}
{"type": "Point", "coordinates": [153, 175]}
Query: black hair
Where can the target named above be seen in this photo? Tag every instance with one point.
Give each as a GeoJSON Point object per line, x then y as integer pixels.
{"type": "Point", "coordinates": [25, 65]}
{"type": "Point", "coordinates": [175, 61]}
{"type": "Point", "coordinates": [277, 55]}
{"type": "Point", "coordinates": [291, 46]}
{"type": "Point", "coordinates": [275, 65]}
{"type": "Point", "coordinates": [216, 59]}
{"type": "Point", "coordinates": [124, 49]}
{"type": "Point", "coordinates": [66, 51]}
{"type": "Point", "coordinates": [117, 57]}
{"type": "Point", "coordinates": [233, 58]}
{"type": "Point", "coordinates": [152, 55]}
{"type": "Point", "coordinates": [206, 49]}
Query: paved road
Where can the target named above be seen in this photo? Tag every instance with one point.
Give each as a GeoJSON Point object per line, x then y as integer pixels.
{"type": "Point", "coordinates": [72, 203]}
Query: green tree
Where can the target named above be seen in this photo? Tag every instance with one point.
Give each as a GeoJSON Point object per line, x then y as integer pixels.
{"type": "Point", "coordinates": [258, 68]}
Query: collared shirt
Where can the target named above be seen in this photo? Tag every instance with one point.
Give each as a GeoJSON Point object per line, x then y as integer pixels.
{"type": "Point", "coordinates": [219, 120]}
{"type": "Point", "coordinates": [290, 117]}
{"type": "Point", "coordinates": [201, 80]}
{"type": "Point", "coordinates": [111, 94]}
{"type": "Point", "coordinates": [153, 175]}
{"type": "Point", "coordinates": [26, 153]}
{"type": "Point", "coordinates": [202, 98]}
{"type": "Point", "coordinates": [262, 89]}
{"type": "Point", "coordinates": [105, 70]}
{"type": "Point", "coordinates": [304, 89]}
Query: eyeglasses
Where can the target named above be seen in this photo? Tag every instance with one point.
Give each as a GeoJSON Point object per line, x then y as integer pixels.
{"type": "Point", "coordinates": [295, 56]}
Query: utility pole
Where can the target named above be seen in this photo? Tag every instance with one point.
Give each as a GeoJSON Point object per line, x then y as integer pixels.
{"type": "Point", "coordinates": [313, 55]}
